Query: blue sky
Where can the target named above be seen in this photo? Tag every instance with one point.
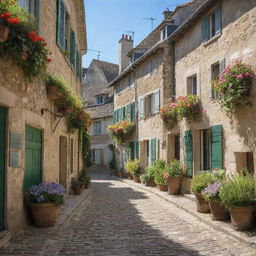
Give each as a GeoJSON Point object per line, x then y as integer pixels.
{"type": "Point", "coordinates": [107, 20]}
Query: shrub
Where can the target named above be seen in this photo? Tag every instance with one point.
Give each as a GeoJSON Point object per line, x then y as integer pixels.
{"type": "Point", "coordinates": [238, 191]}
{"type": "Point", "coordinates": [52, 193]}
{"type": "Point", "coordinates": [211, 192]}
{"type": "Point", "coordinates": [173, 169]}
{"type": "Point", "coordinates": [133, 167]}
{"type": "Point", "coordinates": [84, 179]}
{"type": "Point", "coordinates": [150, 171]}
{"type": "Point", "coordinates": [234, 85]}
{"type": "Point", "coordinates": [201, 181]}
{"type": "Point", "coordinates": [75, 185]}
{"type": "Point", "coordinates": [144, 178]}
{"type": "Point", "coordinates": [159, 178]}
{"type": "Point", "coordinates": [79, 119]}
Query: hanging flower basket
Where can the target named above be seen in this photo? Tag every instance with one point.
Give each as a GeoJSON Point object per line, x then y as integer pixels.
{"type": "Point", "coordinates": [53, 92]}
{"type": "Point", "coordinates": [234, 86]}
{"type": "Point", "coordinates": [4, 33]}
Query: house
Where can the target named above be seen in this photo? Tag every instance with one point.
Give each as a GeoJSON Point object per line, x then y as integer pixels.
{"type": "Point", "coordinates": [98, 98]}
{"type": "Point", "coordinates": [35, 143]}
{"type": "Point", "coordinates": [144, 85]}
{"type": "Point", "coordinates": [216, 35]}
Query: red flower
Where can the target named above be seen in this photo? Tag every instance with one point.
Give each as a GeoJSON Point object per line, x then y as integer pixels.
{"type": "Point", "coordinates": [7, 15]}
{"type": "Point", "coordinates": [13, 21]}
{"type": "Point", "coordinates": [34, 37]}
{"type": "Point", "coordinates": [49, 60]}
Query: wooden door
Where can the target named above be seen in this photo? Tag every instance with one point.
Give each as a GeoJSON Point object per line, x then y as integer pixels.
{"type": "Point", "coordinates": [63, 161]}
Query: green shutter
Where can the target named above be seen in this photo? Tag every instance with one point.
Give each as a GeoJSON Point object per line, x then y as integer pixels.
{"type": "Point", "coordinates": [217, 150]}
{"type": "Point", "coordinates": [156, 102]}
{"type": "Point", "coordinates": [142, 107]}
{"type": "Point", "coordinates": [205, 28]}
{"type": "Point", "coordinates": [136, 150]}
{"type": "Point", "coordinates": [72, 48]}
{"type": "Point", "coordinates": [78, 64]}
{"type": "Point", "coordinates": [2, 164]}
{"type": "Point", "coordinates": [131, 150]}
{"type": "Point", "coordinates": [128, 112]}
{"type": "Point", "coordinates": [189, 152]}
{"type": "Point", "coordinates": [133, 111]}
{"type": "Point", "coordinates": [61, 25]}
{"type": "Point", "coordinates": [153, 150]}
{"type": "Point", "coordinates": [218, 19]}
{"type": "Point", "coordinates": [114, 117]}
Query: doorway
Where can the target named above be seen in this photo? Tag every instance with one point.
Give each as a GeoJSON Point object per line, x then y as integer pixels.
{"type": "Point", "coordinates": [63, 161]}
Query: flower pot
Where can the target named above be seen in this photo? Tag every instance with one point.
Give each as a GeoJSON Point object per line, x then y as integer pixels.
{"type": "Point", "coordinates": [52, 92]}
{"type": "Point", "coordinates": [218, 211]}
{"type": "Point", "coordinates": [77, 191]}
{"type": "Point", "coordinates": [201, 204]}
{"type": "Point", "coordinates": [69, 110]}
{"type": "Point", "coordinates": [130, 177]}
{"type": "Point", "coordinates": [4, 33]}
{"type": "Point", "coordinates": [44, 215]}
{"type": "Point", "coordinates": [162, 187]}
{"type": "Point", "coordinates": [174, 185]}
{"type": "Point", "coordinates": [242, 217]}
{"type": "Point", "coordinates": [150, 183]}
{"type": "Point", "coordinates": [136, 178]}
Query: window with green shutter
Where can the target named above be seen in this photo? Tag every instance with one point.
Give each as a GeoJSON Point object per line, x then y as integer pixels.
{"type": "Point", "coordinates": [206, 28]}
{"type": "Point", "coordinates": [153, 150]}
{"type": "Point", "coordinates": [217, 147]}
{"type": "Point", "coordinates": [136, 150]}
{"type": "Point", "coordinates": [72, 48]}
{"type": "Point", "coordinates": [156, 101]}
{"type": "Point", "coordinates": [188, 141]}
{"type": "Point", "coordinates": [218, 19]}
{"type": "Point", "coordinates": [133, 112]}
{"type": "Point", "coordinates": [115, 116]}
{"type": "Point", "coordinates": [78, 65]}
{"type": "Point", "coordinates": [128, 112]}
{"type": "Point", "coordinates": [61, 24]}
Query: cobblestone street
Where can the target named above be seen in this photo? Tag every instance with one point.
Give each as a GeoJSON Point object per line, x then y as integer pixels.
{"type": "Point", "coordinates": [123, 220]}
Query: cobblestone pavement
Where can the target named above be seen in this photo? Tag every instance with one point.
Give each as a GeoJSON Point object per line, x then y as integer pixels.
{"type": "Point", "coordinates": [124, 220]}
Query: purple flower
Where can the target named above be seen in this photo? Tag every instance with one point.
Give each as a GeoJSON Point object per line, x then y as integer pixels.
{"type": "Point", "coordinates": [213, 189]}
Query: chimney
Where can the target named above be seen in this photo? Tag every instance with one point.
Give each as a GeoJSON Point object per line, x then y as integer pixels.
{"type": "Point", "coordinates": [125, 46]}
{"type": "Point", "coordinates": [166, 14]}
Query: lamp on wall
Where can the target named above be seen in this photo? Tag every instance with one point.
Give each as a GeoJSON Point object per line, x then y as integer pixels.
{"type": "Point", "coordinates": [164, 145]}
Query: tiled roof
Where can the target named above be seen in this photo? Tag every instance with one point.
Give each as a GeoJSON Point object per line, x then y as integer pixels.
{"type": "Point", "coordinates": [101, 111]}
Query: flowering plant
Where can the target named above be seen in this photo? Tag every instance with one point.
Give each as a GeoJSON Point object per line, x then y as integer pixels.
{"type": "Point", "coordinates": [52, 193]}
{"type": "Point", "coordinates": [121, 131]}
{"type": "Point", "coordinates": [185, 106]}
{"type": "Point", "coordinates": [79, 119]}
{"type": "Point", "coordinates": [211, 192]}
{"type": "Point", "coordinates": [234, 86]}
{"type": "Point", "coordinates": [133, 167]}
{"type": "Point", "coordinates": [173, 169]}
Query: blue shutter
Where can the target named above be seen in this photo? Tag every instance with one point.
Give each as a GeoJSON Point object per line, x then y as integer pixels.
{"type": "Point", "coordinates": [142, 107]}
{"type": "Point", "coordinates": [153, 150]}
{"type": "Point", "coordinates": [61, 25]}
{"type": "Point", "coordinates": [205, 28]}
{"type": "Point", "coordinates": [188, 141]}
{"type": "Point", "coordinates": [156, 101]}
{"type": "Point", "coordinates": [217, 149]}
{"type": "Point", "coordinates": [218, 18]}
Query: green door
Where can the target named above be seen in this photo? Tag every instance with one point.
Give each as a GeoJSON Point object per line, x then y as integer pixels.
{"type": "Point", "coordinates": [33, 157]}
{"type": "Point", "coordinates": [2, 164]}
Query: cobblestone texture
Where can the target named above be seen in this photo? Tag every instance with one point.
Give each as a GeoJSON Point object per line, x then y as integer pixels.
{"type": "Point", "coordinates": [124, 220]}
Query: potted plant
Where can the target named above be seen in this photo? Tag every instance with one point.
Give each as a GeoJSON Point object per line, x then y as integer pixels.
{"type": "Point", "coordinates": [133, 167]}
{"type": "Point", "coordinates": [169, 115]}
{"type": "Point", "coordinates": [198, 184]}
{"type": "Point", "coordinates": [173, 174]}
{"type": "Point", "coordinates": [238, 195]}
{"type": "Point", "coordinates": [150, 171]}
{"type": "Point", "coordinates": [76, 187]}
{"type": "Point", "coordinates": [159, 166]}
{"type": "Point", "coordinates": [44, 201]}
{"type": "Point", "coordinates": [211, 195]}
{"type": "Point", "coordinates": [144, 178]}
{"type": "Point", "coordinates": [84, 180]}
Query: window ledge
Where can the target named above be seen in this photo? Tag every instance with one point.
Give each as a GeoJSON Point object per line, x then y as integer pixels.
{"type": "Point", "coordinates": [212, 40]}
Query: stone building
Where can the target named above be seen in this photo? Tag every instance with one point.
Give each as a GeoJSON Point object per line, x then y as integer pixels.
{"type": "Point", "coordinates": [35, 143]}
{"type": "Point", "coordinates": [98, 98]}
{"type": "Point", "coordinates": [144, 85]}
{"type": "Point", "coordinates": [216, 35]}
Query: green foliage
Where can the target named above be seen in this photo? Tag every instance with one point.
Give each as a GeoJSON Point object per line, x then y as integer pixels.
{"type": "Point", "coordinates": [234, 85]}
{"type": "Point", "coordinates": [201, 181]}
{"type": "Point", "coordinates": [79, 119]}
{"type": "Point", "coordinates": [84, 179]}
{"type": "Point", "coordinates": [238, 191]}
{"type": "Point", "coordinates": [133, 167]}
{"type": "Point", "coordinates": [157, 170]}
{"type": "Point", "coordinates": [112, 163]}
{"type": "Point", "coordinates": [75, 185]}
{"type": "Point", "coordinates": [174, 169]}
{"type": "Point", "coordinates": [159, 179]}
{"type": "Point", "coordinates": [86, 148]}
{"type": "Point", "coordinates": [144, 178]}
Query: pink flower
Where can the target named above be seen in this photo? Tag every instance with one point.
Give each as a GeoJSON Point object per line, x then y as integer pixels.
{"type": "Point", "coordinates": [240, 76]}
{"type": "Point", "coordinates": [202, 111]}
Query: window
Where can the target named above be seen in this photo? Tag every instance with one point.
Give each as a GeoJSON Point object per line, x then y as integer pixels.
{"type": "Point", "coordinates": [149, 105]}
{"type": "Point", "coordinates": [244, 160]}
{"type": "Point", "coordinates": [215, 75]}
{"type": "Point", "coordinates": [131, 81]}
{"type": "Point", "coordinates": [32, 6]}
{"type": "Point", "coordinates": [177, 147]}
{"type": "Point", "coordinates": [96, 156]}
{"type": "Point", "coordinates": [67, 32]}
{"type": "Point", "coordinates": [100, 99]}
{"type": "Point", "coordinates": [212, 24]}
{"type": "Point", "coordinates": [97, 128]}
{"type": "Point", "coordinates": [167, 31]}
{"type": "Point", "coordinates": [205, 138]}
{"type": "Point", "coordinates": [192, 85]}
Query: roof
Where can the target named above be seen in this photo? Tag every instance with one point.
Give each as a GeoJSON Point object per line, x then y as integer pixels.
{"type": "Point", "coordinates": [178, 32]}
{"type": "Point", "coordinates": [101, 111]}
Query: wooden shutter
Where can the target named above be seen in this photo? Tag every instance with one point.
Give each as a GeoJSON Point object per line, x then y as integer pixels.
{"type": "Point", "coordinates": [189, 152]}
{"type": "Point", "coordinates": [153, 150]}
{"type": "Point", "coordinates": [205, 28]}
{"type": "Point", "coordinates": [61, 25]}
{"type": "Point", "coordinates": [142, 107]}
{"type": "Point", "coordinates": [217, 149]}
{"type": "Point", "coordinates": [156, 101]}
{"type": "Point", "coordinates": [133, 111]}
{"type": "Point", "coordinates": [218, 19]}
{"type": "Point", "coordinates": [78, 64]}
{"type": "Point", "coordinates": [72, 48]}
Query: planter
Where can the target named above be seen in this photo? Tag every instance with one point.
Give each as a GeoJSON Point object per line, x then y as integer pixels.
{"type": "Point", "coordinates": [130, 177]}
{"type": "Point", "coordinates": [162, 187]}
{"type": "Point", "coordinates": [174, 185]}
{"type": "Point", "coordinates": [77, 192]}
{"type": "Point", "coordinates": [4, 33]}
{"type": "Point", "coordinates": [69, 110]}
{"type": "Point", "coordinates": [136, 178]}
{"type": "Point", "coordinates": [185, 186]}
{"type": "Point", "coordinates": [53, 92]}
{"type": "Point", "coordinates": [150, 183]}
{"type": "Point", "coordinates": [201, 204]}
{"type": "Point", "coordinates": [218, 211]}
{"type": "Point", "coordinates": [242, 217]}
{"type": "Point", "coordinates": [45, 215]}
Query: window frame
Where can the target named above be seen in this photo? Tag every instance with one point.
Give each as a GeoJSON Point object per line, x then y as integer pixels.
{"type": "Point", "coordinates": [97, 128]}
{"type": "Point", "coordinates": [192, 85]}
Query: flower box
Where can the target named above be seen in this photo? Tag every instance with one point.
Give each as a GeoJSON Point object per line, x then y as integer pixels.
{"type": "Point", "coordinates": [4, 33]}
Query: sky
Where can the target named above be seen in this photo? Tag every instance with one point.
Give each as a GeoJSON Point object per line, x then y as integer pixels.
{"type": "Point", "coordinates": [107, 20]}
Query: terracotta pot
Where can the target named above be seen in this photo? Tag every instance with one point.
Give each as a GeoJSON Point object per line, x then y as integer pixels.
{"type": "Point", "coordinates": [174, 185]}
{"type": "Point", "coordinates": [77, 191]}
{"type": "Point", "coordinates": [242, 217]}
{"type": "Point", "coordinates": [218, 211]}
{"type": "Point", "coordinates": [202, 205]}
{"type": "Point", "coordinates": [130, 177]}
{"type": "Point", "coordinates": [45, 215]}
{"type": "Point", "coordinates": [69, 110]}
{"type": "Point", "coordinates": [162, 187]}
{"type": "Point", "coordinates": [150, 183]}
{"type": "Point", "coordinates": [52, 92]}
{"type": "Point", "coordinates": [4, 33]}
{"type": "Point", "coordinates": [136, 178]}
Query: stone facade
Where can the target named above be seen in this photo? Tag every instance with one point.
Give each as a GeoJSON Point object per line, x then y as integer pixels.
{"type": "Point", "coordinates": [98, 99]}
{"type": "Point", "coordinates": [27, 105]}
